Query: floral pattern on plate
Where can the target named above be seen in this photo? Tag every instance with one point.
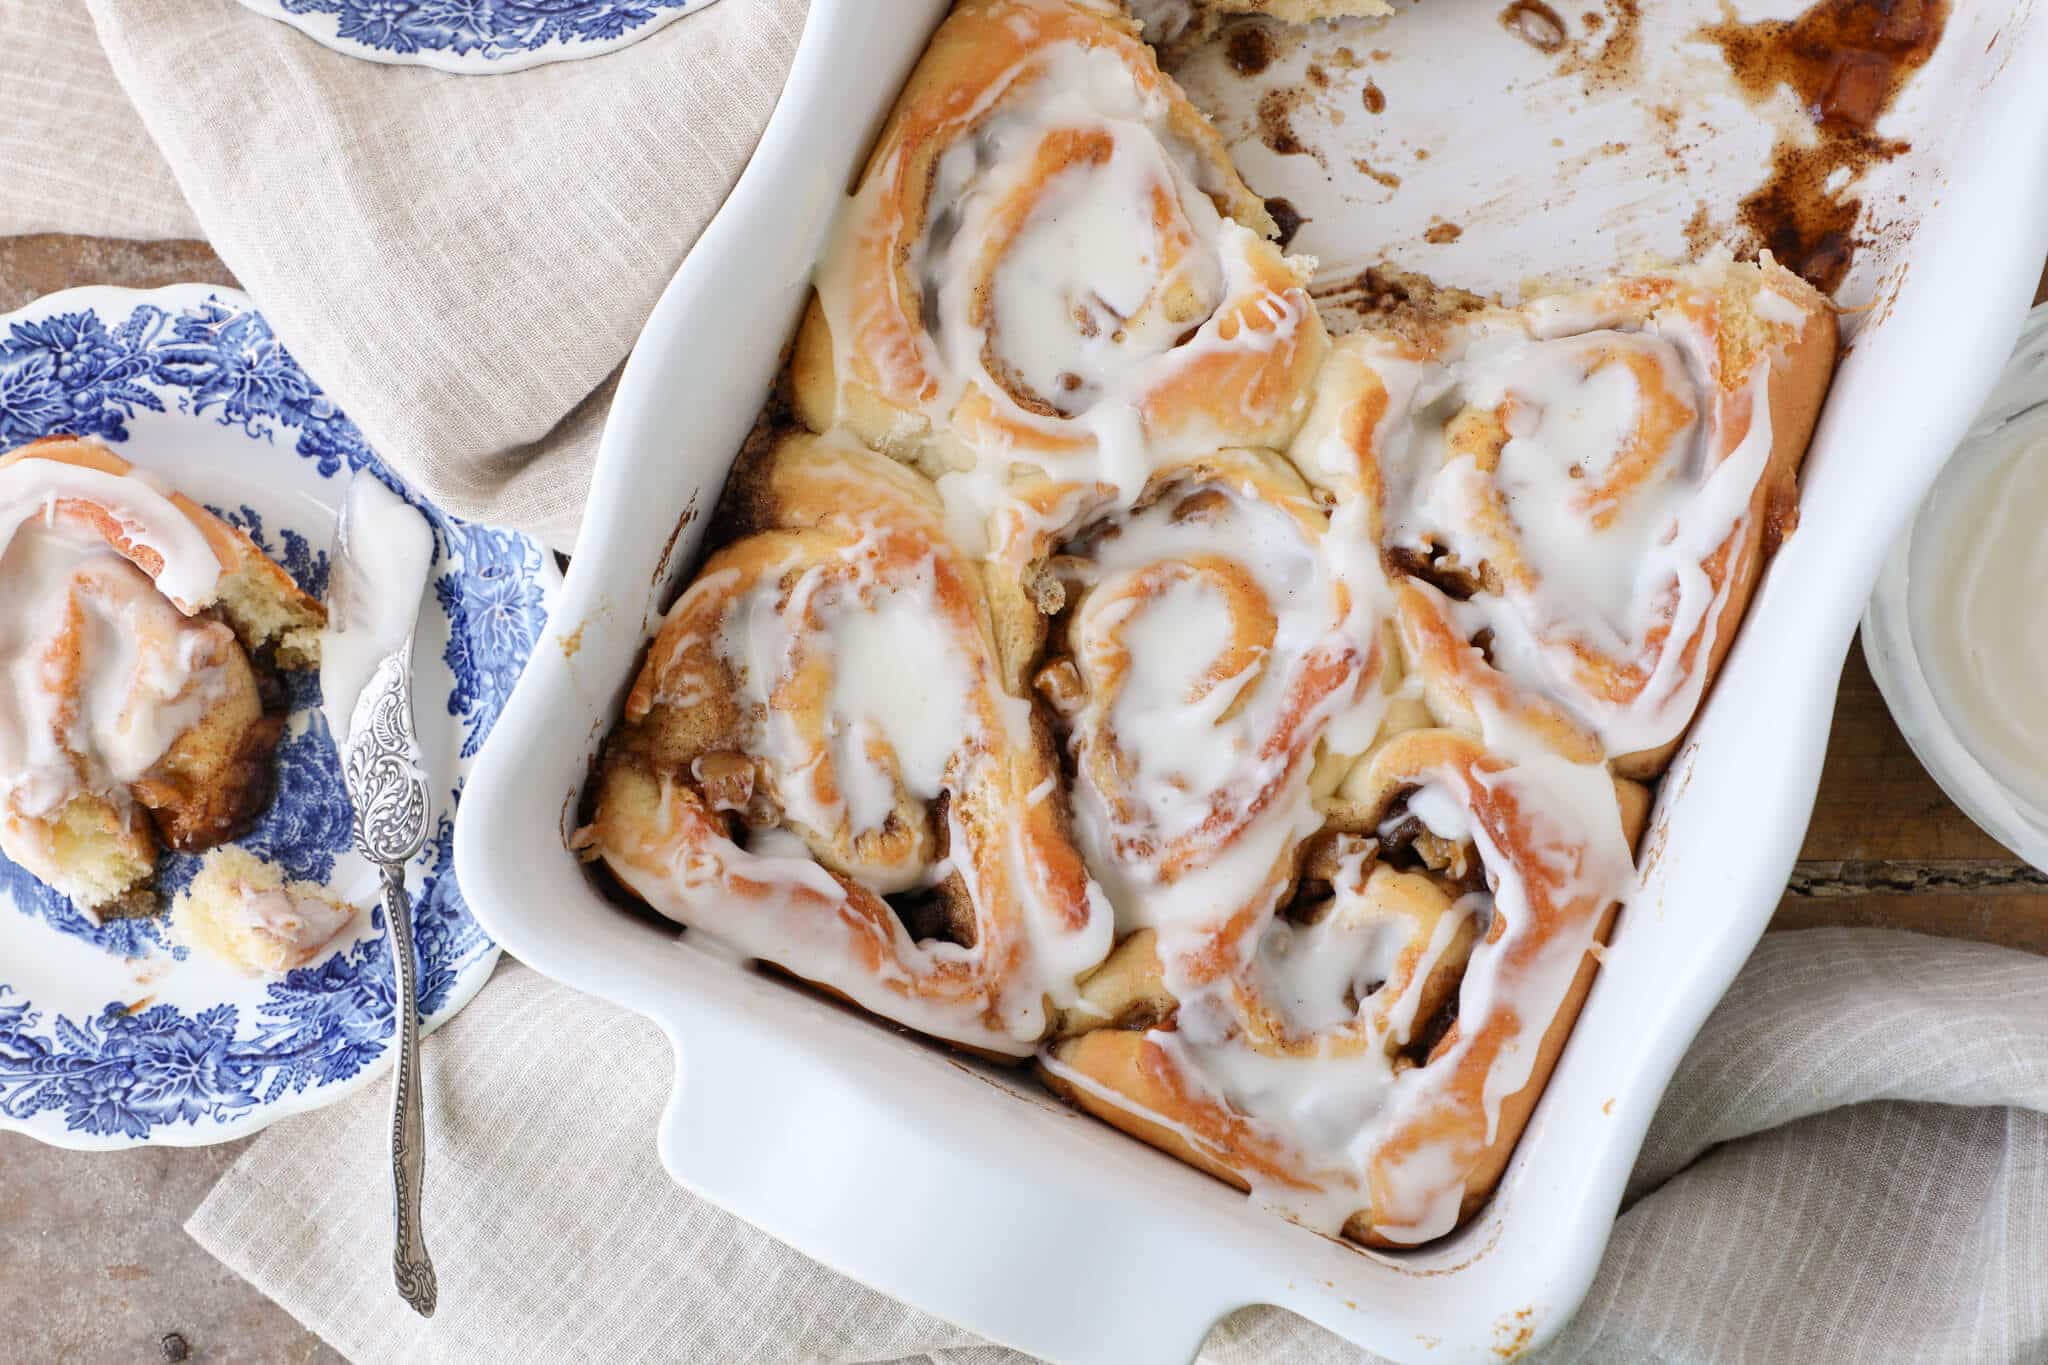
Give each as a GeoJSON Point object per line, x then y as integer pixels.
{"type": "Point", "coordinates": [476, 37]}
{"type": "Point", "coordinates": [110, 1034]}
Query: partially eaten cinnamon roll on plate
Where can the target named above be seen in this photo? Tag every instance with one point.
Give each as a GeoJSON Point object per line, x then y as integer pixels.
{"type": "Point", "coordinates": [139, 637]}
{"type": "Point", "coordinates": [1253, 729]}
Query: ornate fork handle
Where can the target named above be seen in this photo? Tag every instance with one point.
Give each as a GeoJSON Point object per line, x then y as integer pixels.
{"type": "Point", "coordinates": [411, 1267]}
{"type": "Point", "coordinates": [391, 801]}
{"type": "Point", "coordinates": [382, 766]}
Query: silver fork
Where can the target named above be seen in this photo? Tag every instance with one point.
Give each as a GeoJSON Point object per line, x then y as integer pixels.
{"type": "Point", "coordinates": [388, 788]}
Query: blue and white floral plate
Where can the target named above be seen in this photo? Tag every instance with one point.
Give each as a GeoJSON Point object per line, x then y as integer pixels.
{"type": "Point", "coordinates": [476, 37]}
{"type": "Point", "coordinates": [111, 1036]}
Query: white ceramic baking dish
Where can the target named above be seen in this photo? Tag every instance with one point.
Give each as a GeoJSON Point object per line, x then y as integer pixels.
{"type": "Point", "coordinates": [965, 1190]}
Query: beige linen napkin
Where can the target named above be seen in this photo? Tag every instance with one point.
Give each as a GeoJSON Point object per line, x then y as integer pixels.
{"type": "Point", "coordinates": [1852, 1164]}
{"type": "Point", "coordinates": [73, 153]}
{"type": "Point", "coordinates": [462, 262]}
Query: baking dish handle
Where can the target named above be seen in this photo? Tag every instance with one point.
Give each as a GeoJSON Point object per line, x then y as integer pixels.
{"type": "Point", "coordinates": [830, 1170]}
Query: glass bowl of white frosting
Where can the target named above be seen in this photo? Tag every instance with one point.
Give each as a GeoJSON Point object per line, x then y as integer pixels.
{"type": "Point", "coordinates": [1957, 629]}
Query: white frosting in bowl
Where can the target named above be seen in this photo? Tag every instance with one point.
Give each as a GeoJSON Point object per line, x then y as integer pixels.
{"type": "Point", "coordinates": [1957, 630]}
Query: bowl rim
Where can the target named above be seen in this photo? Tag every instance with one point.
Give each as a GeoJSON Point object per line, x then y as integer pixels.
{"type": "Point", "coordinates": [1930, 731]}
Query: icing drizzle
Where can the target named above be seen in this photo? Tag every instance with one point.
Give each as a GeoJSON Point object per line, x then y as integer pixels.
{"type": "Point", "coordinates": [105, 666]}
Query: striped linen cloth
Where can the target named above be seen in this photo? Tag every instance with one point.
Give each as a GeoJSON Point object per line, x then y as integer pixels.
{"type": "Point", "coordinates": [462, 262]}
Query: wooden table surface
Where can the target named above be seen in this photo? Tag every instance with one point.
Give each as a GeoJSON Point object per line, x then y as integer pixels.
{"type": "Point", "coordinates": [94, 1263]}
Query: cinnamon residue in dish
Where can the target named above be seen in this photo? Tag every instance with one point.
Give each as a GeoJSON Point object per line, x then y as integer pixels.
{"type": "Point", "coordinates": [1618, 62]}
{"type": "Point", "coordinates": [1249, 49]}
{"type": "Point", "coordinates": [1400, 301]}
{"type": "Point", "coordinates": [1276, 129]}
{"type": "Point", "coordinates": [1535, 23]}
{"type": "Point", "coordinates": [1441, 232]}
{"type": "Point", "coordinates": [1287, 218]}
{"type": "Point", "coordinates": [1387, 178]}
{"type": "Point", "coordinates": [1845, 60]}
{"type": "Point", "coordinates": [1700, 233]}
{"type": "Point", "coordinates": [1375, 98]}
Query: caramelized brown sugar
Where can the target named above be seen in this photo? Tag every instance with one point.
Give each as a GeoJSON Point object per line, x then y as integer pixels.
{"type": "Point", "coordinates": [1845, 61]}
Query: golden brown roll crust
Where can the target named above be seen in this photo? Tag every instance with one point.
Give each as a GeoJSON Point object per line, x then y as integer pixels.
{"type": "Point", "coordinates": [907, 344]}
{"type": "Point", "coordinates": [1738, 332]}
{"type": "Point", "coordinates": [897, 845]}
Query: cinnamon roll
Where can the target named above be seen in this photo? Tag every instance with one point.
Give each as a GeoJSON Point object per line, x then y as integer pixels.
{"type": "Point", "coordinates": [821, 768]}
{"type": "Point", "coordinates": [135, 627]}
{"type": "Point", "coordinates": [1367, 1062]}
{"type": "Point", "coordinates": [1212, 648]}
{"type": "Point", "coordinates": [1050, 263]}
{"type": "Point", "coordinates": [1590, 483]}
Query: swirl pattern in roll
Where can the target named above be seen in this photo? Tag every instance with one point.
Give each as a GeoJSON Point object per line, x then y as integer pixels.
{"type": "Point", "coordinates": [1051, 262]}
{"type": "Point", "coordinates": [820, 766]}
{"type": "Point", "coordinates": [1369, 1063]}
{"type": "Point", "coordinates": [130, 713]}
{"type": "Point", "coordinates": [1593, 481]}
{"type": "Point", "coordinates": [1209, 648]}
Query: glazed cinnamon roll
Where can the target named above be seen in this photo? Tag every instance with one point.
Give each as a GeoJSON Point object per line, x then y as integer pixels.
{"type": "Point", "coordinates": [1368, 1060]}
{"type": "Point", "coordinates": [1050, 263]}
{"type": "Point", "coordinates": [1591, 482]}
{"type": "Point", "coordinates": [821, 768]}
{"type": "Point", "coordinates": [132, 714]}
{"type": "Point", "coordinates": [1211, 649]}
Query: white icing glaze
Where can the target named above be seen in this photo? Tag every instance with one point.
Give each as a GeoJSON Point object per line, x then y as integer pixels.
{"type": "Point", "coordinates": [383, 551]}
{"type": "Point", "coordinates": [1774, 307]}
{"type": "Point", "coordinates": [1192, 714]}
{"type": "Point", "coordinates": [103, 672]}
{"type": "Point", "coordinates": [302, 924]}
{"type": "Point", "coordinates": [899, 709]}
{"type": "Point", "coordinates": [1605, 568]}
{"type": "Point", "coordinates": [1603, 574]}
{"type": "Point", "coordinates": [896, 712]}
{"type": "Point", "coordinates": [1065, 298]}
{"type": "Point", "coordinates": [1336, 1102]}
{"type": "Point", "coordinates": [139, 506]}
